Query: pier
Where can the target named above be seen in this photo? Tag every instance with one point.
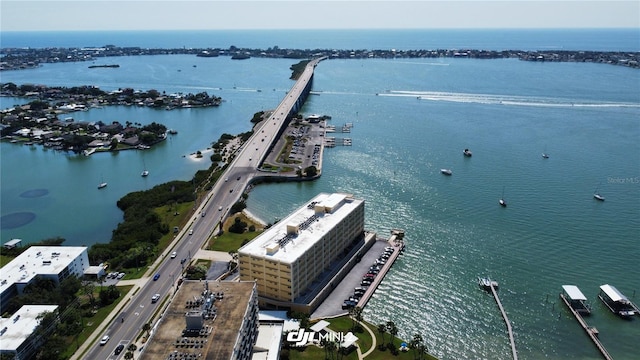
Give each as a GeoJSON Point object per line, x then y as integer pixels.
{"type": "Point", "coordinates": [491, 286]}
{"type": "Point", "coordinates": [591, 331]}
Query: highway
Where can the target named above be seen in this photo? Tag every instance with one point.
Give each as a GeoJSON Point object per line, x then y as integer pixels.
{"type": "Point", "coordinates": [138, 308]}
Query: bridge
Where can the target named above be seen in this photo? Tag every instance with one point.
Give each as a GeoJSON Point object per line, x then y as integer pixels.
{"type": "Point", "coordinates": [125, 323]}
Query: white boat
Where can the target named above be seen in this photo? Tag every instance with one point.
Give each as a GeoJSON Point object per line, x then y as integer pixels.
{"type": "Point", "coordinates": [597, 196]}
{"type": "Point", "coordinates": [102, 185]}
{"type": "Point", "coordinates": [487, 284]}
{"type": "Point", "coordinates": [502, 202]}
{"type": "Point", "coordinates": [616, 301]}
{"type": "Point", "coordinates": [576, 299]}
{"type": "Point", "coordinates": [545, 156]}
{"type": "Point", "coordinates": [467, 152]}
{"type": "Point", "coordinates": [145, 172]}
{"type": "Point", "coordinates": [446, 171]}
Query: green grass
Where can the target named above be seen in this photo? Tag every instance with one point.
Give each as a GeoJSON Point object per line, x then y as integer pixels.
{"type": "Point", "coordinates": [4, 260]}
{"type": "Point", "coordinates": [92, 323]}
{"type": "Point", "coordinates": [229, 241]}
{"type": "Point", "coordinates": [344, 324]}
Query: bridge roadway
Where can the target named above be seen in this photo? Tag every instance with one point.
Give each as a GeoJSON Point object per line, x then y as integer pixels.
{"type": "Point", "coordinates": [126, 321]}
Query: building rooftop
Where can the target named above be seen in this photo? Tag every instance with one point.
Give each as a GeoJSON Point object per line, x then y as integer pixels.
{"type": "Point", "coordinates": [38, 260]}
{"type": "Point", "coordinates": [221, 333]}
{"type": "Point", "coordinates": [291, 237]}
{"type": "Point", "coordinates": [16, 329]}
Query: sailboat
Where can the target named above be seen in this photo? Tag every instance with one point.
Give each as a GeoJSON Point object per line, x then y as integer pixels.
{"type": "Point", "coordinates": [102, 185]}
{"type": "Point", "coordinates": [502, 202]}
{"type": "Point", "coordinates": [145, 172]}
{"type": "Point", "coordinates": [544, 154]}
{"type": "Point", "coordinates": [597, 195]}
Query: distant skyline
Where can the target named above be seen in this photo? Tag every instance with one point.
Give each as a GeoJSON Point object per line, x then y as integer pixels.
{"type": "Point", "coordinates": [87, 15]}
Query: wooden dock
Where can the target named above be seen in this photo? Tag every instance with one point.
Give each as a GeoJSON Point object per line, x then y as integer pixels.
{"type": "Point", "coordinates": [491, 285]}
{"type": "Point", "coordinates": [591, 331]}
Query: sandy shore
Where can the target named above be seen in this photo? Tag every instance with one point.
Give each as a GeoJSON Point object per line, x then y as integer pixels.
{"type": "Point", "coordinates": [253, 218]}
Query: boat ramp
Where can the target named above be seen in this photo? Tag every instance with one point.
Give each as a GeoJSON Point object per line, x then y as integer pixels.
{"type": "Point", "coordinates": [492, 287]}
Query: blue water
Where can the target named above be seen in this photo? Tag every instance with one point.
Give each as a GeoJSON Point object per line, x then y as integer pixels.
{"type": "Point", "coordinates": [411, 117]}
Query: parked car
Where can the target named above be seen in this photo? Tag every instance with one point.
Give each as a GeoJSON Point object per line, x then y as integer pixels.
{"type": "Point", "coordinates": [104, 340]}
{"type": "Point", "coordinates": [118, 349]}
{"type": "Point", "coordinates": [120, 276]}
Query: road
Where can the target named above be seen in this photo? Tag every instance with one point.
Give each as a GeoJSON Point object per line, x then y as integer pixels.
{"type": "Point", "coordinates": [139, 309]}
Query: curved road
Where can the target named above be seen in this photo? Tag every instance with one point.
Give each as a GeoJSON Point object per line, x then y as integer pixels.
{"type": "Point", "coordinates": [138, 309]}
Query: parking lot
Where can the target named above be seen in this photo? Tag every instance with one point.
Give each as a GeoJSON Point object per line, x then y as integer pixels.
{"type": "Point", "coordinates": [333, 304]}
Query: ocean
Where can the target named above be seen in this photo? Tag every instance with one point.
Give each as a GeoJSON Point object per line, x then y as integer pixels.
{"type": "Point", "coordinates": [411, 117]}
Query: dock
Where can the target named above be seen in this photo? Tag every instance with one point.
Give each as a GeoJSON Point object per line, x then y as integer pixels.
{"type": "Point", "coordinates": [491, 286]}
{"type": "Point", "coordinates": [591, 331]}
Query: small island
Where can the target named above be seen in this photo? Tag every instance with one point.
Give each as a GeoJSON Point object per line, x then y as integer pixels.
{"type": "Point", "coordinates": [46, 119]}
{"type": "Point", "coordinates": [104, 66]}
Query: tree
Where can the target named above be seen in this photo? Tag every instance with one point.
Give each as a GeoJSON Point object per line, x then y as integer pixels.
{"type": "Point", "coordinates": [311, 171]}
{"type": "Point", "coordinates": [393, 331]}
{"type": "Point", "coordinates": [382, 329]}
{"type": "Point", "coordinates": [132, 347]}
{"type": "Point", "coordinates": [128, 355]}
{"type": "Point", "coordinates": [88, 289]}
{"type": "Point", "coordinates": [417, 344]}
{"type": "Point", "coordinates": [331, 348]}
{"type": "Point", "coordinates": [146, 327]}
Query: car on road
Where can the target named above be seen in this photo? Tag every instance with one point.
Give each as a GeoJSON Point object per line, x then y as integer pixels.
{"type": "Point", "coordinates": [155, 298]}
{"type": "Point", "coordinates": [203, 214]}
{"type": "Point", "coordinates": [238, 178]}
{"type": "Point", "coordinates": [118, 349]}
{"type": "Point", "coordinates": [226, 179]}
{"type": "Point", "coordinates": [156, 276]}
{"type": "Point", "coordinates": [174, 254]}
{"type": "Point", "coordinates": [191, 232]}
{"type": "Point", "coordinates": [183, 261]}
{"type": "Point", "coordinates": [104, 340]}
{"type": "Point", "coordinates": [220, 208]}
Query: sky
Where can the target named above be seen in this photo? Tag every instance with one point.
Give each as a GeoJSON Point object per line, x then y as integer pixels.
{"type": "Point", "coordinates": [86, 15]}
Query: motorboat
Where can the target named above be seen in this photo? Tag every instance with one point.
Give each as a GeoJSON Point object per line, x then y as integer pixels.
{"type": "Point", "coordinates": [145, 173]}
{"type": "Point", "coordinates": [598, 197]}
{"type": "Point", "coordinates": [616, 301]}
{"type": "Point", "coordinates": [467, 152]}
{"type": "Point", "coordinates": [102, 185]}
{"type": "Point", "coordinates": [446, 171]}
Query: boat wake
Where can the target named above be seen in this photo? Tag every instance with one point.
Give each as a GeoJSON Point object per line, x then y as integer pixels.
{"type": "Point", "coordinates": [507, 100]}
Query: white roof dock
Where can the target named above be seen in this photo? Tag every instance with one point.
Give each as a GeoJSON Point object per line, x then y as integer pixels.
{"type": "Point", "coordinates": [573, 292]}
{"type": "Point", "coordinates": [16, 329]}
{"type": "Point", "coordinates": [613, 293]}
{"type": "Point", "coordinates": [291, 237]}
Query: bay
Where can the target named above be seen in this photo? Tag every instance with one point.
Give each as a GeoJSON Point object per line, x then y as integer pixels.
{"type": "Point", "coordinates": [411, 117]}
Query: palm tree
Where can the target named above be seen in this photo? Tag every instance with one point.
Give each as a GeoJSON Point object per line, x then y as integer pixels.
{"type": "Point", "coordinates": [393, 330]}
{"type": "Point", "coordinates": [146, 327]}
{"type": "Point", "coordinates": [416, 344]}
{"type": "Point", "coordinates": [357, 315]}
{"type": "Point", "coordinates": [382, 328]}
{"type": "Point", "coordinates": [132, 347]}
{"type": "Point", "coordinates": [128, 355]}
{"type": "Point", "coordinates": [330, 347]}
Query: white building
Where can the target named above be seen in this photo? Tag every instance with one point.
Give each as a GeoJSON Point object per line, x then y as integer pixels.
{"type": "Point", "coordinates": [297, 257]}
{"type": "Point", "coordinates": [49, 262]}
{"type": "Point", "coordinates": [16, 332]}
